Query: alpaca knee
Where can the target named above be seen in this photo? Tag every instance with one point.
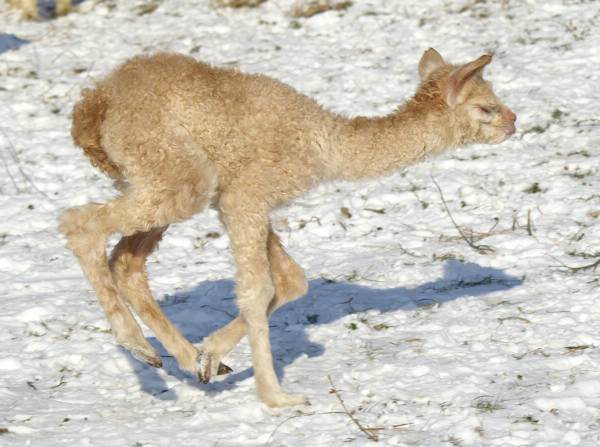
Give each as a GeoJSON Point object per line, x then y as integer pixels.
{"type": "Point", "coordinates": [78, 225]}
{"type": "Point", "coordinates": [292, 287]}
{"type": "Point", "coordinates": [254, 299]}
{"type": "Point", "coordinates": [129, 255]}
{"type": "Point", "coordinates": [119, 263]}
{"type": "Point", "coordinates": [72, 221]}
{"type": "Point", "coordinates": [289, 278]}
{"type": "Point", "coordinates": [301, 287]}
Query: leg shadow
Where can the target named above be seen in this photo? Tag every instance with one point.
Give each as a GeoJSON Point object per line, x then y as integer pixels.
{"type": "Point", "coordinates": [210, 305]}
{"type": "Point", "coordinates": [148, 377]}
{"type": "Point", "coordinates": [10, 42]}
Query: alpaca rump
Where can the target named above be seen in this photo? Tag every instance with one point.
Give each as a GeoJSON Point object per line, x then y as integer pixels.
{"type": "Point", "coordinates": [184, 135]}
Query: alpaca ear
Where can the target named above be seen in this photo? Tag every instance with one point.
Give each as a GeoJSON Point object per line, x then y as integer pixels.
{"type": "Point", "coordinates": [430, 61]}
{"type": "Point", "coordinates": [460, 77]}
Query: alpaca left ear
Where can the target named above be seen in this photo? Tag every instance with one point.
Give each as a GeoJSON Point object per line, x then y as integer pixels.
{"type": "Point", "coordinates": [430, 61]}
{"type": "Point", "coordinates": [460, 77]}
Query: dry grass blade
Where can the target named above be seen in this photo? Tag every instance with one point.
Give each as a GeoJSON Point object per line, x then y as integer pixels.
{"type": "Point", "coordinates": [147, 8]}
{"type": "Point", "coordinates": [313, 7]}
{"type": "Point", "coordinates": [521, 319]}
{"type": "Point", "coordinates": [237, 3]}
{"type": "Point", "coordinates": [574, 349]}
{"type": "Point", "coordinates": [366, 431]}
{"type": "Point", "coordinates": [300, 414]}
{"type": "Point", "coordinates": [13, 154]}
{"type": "Point", "coordinates": [593, 266]}
{"type": "Point", "coordinates": [474, 235]}
{"type": "Point", "coordinates": [529, 224]}
{"type": "Point", "coordinates": [14, 182]}
{"type": "Point", "coordinates": [483, 249]}
{"type": "Point", "coordinates": [297, 415]}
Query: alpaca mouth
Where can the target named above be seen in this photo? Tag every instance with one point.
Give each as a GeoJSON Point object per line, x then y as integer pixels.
{"type": "Point", "coordinates": [503, 134]}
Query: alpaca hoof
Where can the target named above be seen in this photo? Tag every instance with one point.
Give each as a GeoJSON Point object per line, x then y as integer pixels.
{"type": "Point", "coordinates": [140, 348]}
{"type": "Point", "coordinates": [285, 400]}
{"type": "Point", "coordinates": [209, 366]}
{"type": "Point", "coordinates": [223, 369]}
{"type": "Point", "coordinates": [146, 356]}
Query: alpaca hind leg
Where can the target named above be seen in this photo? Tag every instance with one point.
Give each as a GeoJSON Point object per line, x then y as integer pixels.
{"type": "Point", "coordinates": [180, 191]}
{"type": "Point", "coordinates": [87, 239]}
{"type": "Point", "coordinates": [127, 264]}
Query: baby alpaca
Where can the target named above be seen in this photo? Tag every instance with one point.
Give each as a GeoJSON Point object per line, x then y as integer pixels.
{"type": "Point", "coordinates": [179, 135]}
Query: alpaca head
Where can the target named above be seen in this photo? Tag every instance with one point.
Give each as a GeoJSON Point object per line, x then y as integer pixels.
{"type": "Point", "coordinates": [460, 92]}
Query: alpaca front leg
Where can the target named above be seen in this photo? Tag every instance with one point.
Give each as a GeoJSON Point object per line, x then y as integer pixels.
{"type": "Point", "coordinates": [253, 301]}
{"type": "Point", "coordinates": [253, 311]}
{"type": "Point", "coordinates": [290, 283]}
{"type": "Point", "coordinates": [247, 223]}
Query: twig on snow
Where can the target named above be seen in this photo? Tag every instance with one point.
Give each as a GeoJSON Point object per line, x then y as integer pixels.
{"type": "Point", "coordinates": [13, 153]}
{"type": "Point", "coordinates": [298, 415]}
{"type": "Point", "coordinates": [14, 182]}
{"type": "Point", "coordinates": [593, 266]}
{"type": "Point", "coordinates": [529, 224]}
{"type": "Point", "coordinates": [483, 249]}
{"type": "Point", "coordinates": [366, 431]}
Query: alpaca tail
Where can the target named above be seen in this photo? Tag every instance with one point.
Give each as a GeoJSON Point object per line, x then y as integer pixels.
{"type": "Point", "coordinates": [88, 115]}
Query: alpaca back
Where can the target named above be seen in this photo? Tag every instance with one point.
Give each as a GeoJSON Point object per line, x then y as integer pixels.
{"type": "Point", "coordinates": [236, 119]}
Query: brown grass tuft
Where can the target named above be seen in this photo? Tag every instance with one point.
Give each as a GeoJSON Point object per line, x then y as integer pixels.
{"type": "Point", "coordinates": [309, 8]}
{"type": "Point", "coordinates": [237, 3]}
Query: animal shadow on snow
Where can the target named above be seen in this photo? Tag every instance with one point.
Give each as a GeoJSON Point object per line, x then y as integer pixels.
{"type": "Point", "coordinates": [211, 304]}
{"type": "Point", "coordinates": [11, 42]}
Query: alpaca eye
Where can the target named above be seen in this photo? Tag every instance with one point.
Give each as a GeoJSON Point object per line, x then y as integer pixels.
{"type": "Point", "coordinates": [485, 110]}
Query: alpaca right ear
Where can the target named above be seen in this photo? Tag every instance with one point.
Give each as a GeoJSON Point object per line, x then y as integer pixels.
{"type": "Point", "coordinates": [430, 61]}
{"type": "Point", "coordinates": [456, 89]}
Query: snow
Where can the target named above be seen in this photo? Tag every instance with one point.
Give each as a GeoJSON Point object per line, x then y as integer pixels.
{"type": "Point", "coordinates": [425, 339]}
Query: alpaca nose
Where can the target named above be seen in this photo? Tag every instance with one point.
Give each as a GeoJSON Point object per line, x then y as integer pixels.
{"type": "Point", "coordinates": [510, 118]}
{"type": "Point", "coordinates": [510, 115]}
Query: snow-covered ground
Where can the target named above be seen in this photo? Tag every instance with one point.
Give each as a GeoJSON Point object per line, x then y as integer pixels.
{"type": "Point", "coordinates": [427, 341]}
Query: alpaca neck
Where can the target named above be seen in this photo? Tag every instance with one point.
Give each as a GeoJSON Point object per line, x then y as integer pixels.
{"type": "Point", "coordinates": [370, 147]}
